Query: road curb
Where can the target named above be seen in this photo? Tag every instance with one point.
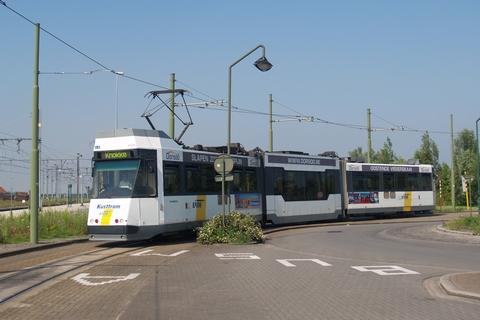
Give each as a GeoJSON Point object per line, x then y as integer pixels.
{"type": "Point", "coordinates": [41, 246]}
{"type": "Point", "coordinates": [449, 286]}
{"type": "Point", "coordinates": [443, 229]}
{"type": "Point", "coordinates": [271, 230]}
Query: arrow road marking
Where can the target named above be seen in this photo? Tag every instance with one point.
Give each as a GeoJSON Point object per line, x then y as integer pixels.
{"type": "Point", "coordinates": [286, 262]}
{"type": "Point", "coordinates": [82, 278]}
{"type": "Point", "coordinates": [146, 253]}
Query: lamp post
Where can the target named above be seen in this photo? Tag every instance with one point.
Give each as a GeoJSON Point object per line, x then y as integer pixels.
{"type": "Point", "coordinates": [263, 65]}
{"type": "Point", "coordinates": [478, 166]}
{"type": "Point", "coordinates": [117, 73]}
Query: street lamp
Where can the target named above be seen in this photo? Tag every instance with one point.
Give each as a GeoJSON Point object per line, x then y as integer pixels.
{"type": "Point", "coordinates": [117, 73]}
{"type": "Point", "coordinates": [478, 166]}
{"type": "Point", "coordinates": [263, 65]}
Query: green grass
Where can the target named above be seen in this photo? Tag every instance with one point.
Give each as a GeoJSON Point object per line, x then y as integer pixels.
{"type": "Point", "coordinates": [471, 224]}
{"type": "Point", "coordinates": [457, 209]}
{"type": "Point", "coordinates": [53, 224]}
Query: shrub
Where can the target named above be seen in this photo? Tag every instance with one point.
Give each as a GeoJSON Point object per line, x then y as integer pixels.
{"type": "Point", "coordinates": [239, 228]}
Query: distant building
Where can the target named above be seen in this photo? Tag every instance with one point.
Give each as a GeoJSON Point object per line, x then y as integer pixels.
{"type": "Point", "coordinates": [4, 195]}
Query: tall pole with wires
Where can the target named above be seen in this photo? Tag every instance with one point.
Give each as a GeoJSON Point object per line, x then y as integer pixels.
{"type": "Point", "coordinates": [270, 129]}
{"type": "Point", "coordinates": [78, 176]}
{"type": "Point", "coordinates": [452, 177]}
{"type": "Point", "coordinates": [171, 128]}
{"type": "Point", "coordinates": [369, 129]}
{"type": "Point", "coordinates": [34, 179]}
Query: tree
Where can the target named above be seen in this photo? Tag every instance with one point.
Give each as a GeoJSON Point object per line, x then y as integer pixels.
{"type": "Point", "coordinates": [358, 155]}
{"type": "Point", "coordinates": [427, 153]}
{"type": "Point", "coordinates": [442, 185]}
{"type": "Point", "coordinates": [386, 154]}
{"type": "Point", "coordinates": [465, 161]}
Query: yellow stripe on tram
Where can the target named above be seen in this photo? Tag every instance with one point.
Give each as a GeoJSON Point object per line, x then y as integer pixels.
{"type": "Point", "coordinates": [407, 201]}
{"type": "Point", "coordinates": [201, 207]}
{"type": "Point", "coordinates": [107, 215]}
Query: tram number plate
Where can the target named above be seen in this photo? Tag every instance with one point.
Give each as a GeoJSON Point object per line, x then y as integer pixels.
{"type": "Point", "coordinates": [228, 177]}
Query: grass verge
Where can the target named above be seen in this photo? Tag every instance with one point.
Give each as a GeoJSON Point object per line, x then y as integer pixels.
{"type": "Point", "coordinates": [53, 224]}
{"type": "Point", "coordinates": [239, 228]}
{"type": "Point", "coordinates": [470, 224]}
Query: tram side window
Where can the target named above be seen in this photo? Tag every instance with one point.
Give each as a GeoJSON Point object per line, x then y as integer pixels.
{"type": "Point", "coordinates": [274, 181]}
{"type": "Point", "coordinates": [171, 179]}
{"type": "Point", "coordinates": [200, 179]}
{"type": "Point", "coordinates": [426, 182]}
{"type": "Point", "coordinates": [294, 186]}
{"type": "Point", "coordinates": [192, 179]}
{"type": "Point", "coordinates": [365, 181]}
{"type": "Point", "coordinates": [388, 182]}
{"type": "Point", "coordinates": [401, 179]}
{"type": "Point", "coordinates": [250, 181]}
{"type": "Point", "coordinates": [315, 186]}
{"type": "Point", "coordinates": [332, 182]}
{"type": "Point", "coordinates": [412, 182]}
{"type": "Point", "coordinates": [207, 179]}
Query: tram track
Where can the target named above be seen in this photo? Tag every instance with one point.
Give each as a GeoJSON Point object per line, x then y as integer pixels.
{"type": "Point", "coordinates": [15, 283]}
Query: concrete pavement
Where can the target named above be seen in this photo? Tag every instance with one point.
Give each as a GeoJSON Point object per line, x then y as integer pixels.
{"type": "Point", "coordinates": [458, 284]}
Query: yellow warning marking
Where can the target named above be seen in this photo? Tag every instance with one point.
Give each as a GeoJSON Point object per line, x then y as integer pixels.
{"type": "Point", "coordinates": [107, 215]}
{"type": "Point", "coordinates": [407, 201]}
{"type": "Point", "coordinates": [201, 207]}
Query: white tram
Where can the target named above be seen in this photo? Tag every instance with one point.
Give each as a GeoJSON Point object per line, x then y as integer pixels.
{"type": "Point", "coordinates": [146, 184]}
{"type": "Point", "coordinates": [385, 188]}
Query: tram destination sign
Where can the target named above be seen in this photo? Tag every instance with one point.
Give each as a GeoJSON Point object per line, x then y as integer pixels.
{"type": "Point", "coordinates": [380, 168]}
{"type": "Point", "coordinates": [210, 158]}
{"type": "Point", "coordinates": [114, 155]}
{"type": "Point", "coordinates": [309, 161]}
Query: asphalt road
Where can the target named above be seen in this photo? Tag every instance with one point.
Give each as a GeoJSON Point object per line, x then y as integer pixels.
{"type": "Point", "coordinates": [335, 272]}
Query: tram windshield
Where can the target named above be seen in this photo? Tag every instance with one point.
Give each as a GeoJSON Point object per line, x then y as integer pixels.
{"type": "Point", "coordinates": [124, 179]}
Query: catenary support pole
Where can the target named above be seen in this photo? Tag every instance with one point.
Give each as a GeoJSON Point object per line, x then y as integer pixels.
{"type": "Point", "coordinates": [78, 177]}
{"type": "Point", "coordinates": [35, 153]}
{"type": "Point", "coordinates": [478, 165]}
{"type": "Point", "coordinates": [452, 177]}
{"type": "Point", "coordinates": [171, 128]}
{"type": "Point", "coordinates": [369, 146]}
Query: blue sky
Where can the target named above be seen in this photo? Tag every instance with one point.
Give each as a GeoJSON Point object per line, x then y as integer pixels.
{"type": "Point", "coordinates": [412, 62]}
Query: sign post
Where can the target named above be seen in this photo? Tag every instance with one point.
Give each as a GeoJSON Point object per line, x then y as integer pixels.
{"type": "Point", "coordinates": [223, 165]}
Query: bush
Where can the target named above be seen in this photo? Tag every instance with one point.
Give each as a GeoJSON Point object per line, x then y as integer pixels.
{"type": "Point", "coordinates": [239, 228]}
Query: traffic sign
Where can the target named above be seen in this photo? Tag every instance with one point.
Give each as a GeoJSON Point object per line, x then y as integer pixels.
{"type": "Point", "coordinates": [228, 177]}
{"type": "Point", "coordinates": [223, 164]}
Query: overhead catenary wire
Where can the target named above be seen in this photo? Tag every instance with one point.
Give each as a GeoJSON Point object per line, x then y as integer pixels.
{"type": "Point", "coordinates": [95, 61]}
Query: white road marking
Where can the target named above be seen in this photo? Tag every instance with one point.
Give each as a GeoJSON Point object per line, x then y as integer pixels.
{"type": "Point", "coordinates": [237, 255]}
{"type": "Point", "coordinates": [286, 262]}
{"type": "Point", "coordinates": [385, 270]}
{"type": "Point", "coordinates": [146, 253]}
{"type": "Point", "coordinates": [82, 279]}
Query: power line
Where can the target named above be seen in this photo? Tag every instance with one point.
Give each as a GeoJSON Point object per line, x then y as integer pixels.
{"type": "Point", "coordinates": [95, 61]}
